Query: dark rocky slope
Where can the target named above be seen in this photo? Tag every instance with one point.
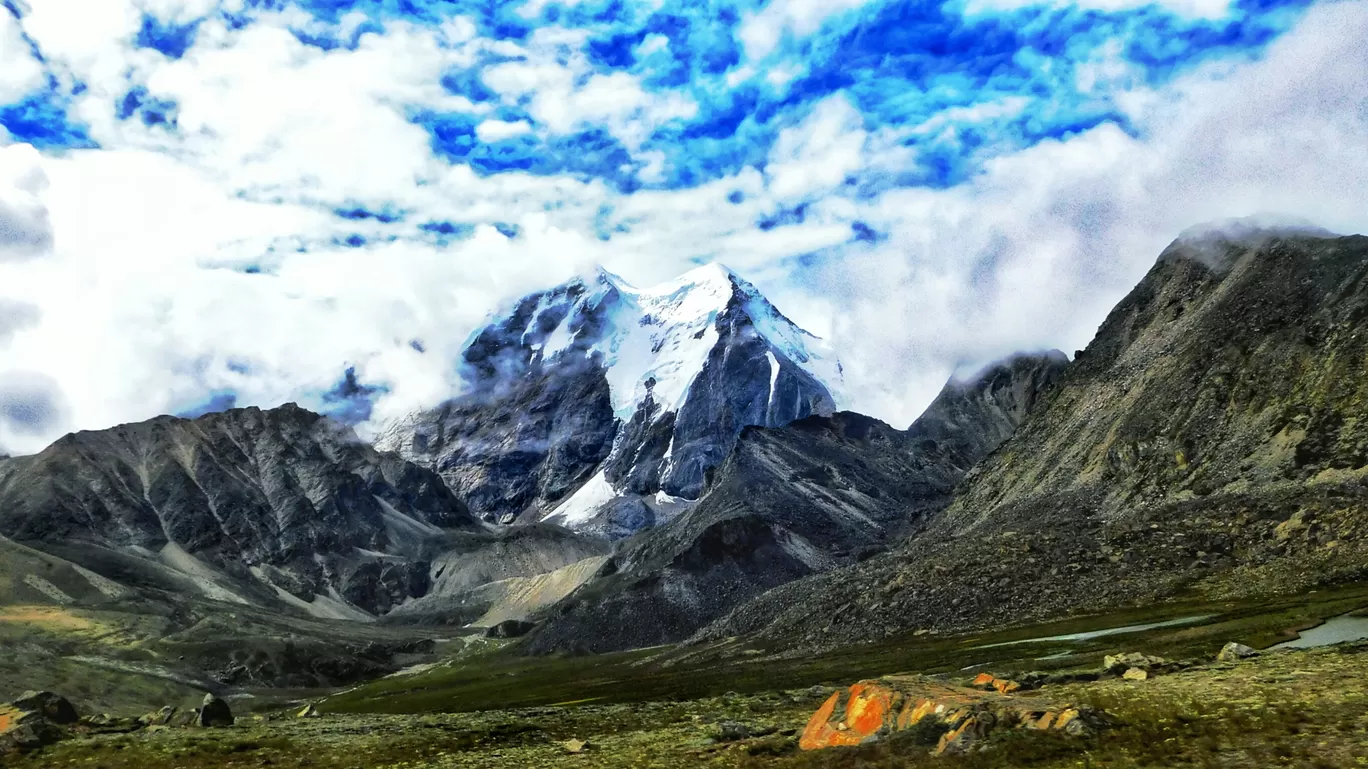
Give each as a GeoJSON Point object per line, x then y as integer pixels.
{"type": "Point", "coordinates": [529, 430]}
{"type": "Point", "coordinates": [790, 502]}
{"type": "Point", "coordinates": [248, 506]}
{"type": "Point", "coordinates": [1210, 441]}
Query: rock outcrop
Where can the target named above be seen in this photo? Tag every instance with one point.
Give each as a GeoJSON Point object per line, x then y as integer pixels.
{"type": "Point", "coordinates": [946, 718]}
{"type": "Point", "coordinates": [34, 720]}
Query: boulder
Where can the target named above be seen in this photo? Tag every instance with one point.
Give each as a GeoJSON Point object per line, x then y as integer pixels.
{"type": "Point", "coordinates": [1234, 652]}
{"type": "Point", "coordinates": [1118, 664]}
{"type": "Point", "coordinates": [1135, 674]}
{"type": "Point", "coordinates": [577, 746]}
{"type": "Point", "coordinates": [510, 628]}
{"type": "Point", "coordinates": [162, 717]}
{"type": "Point", "coordinates": [25, 730]}
{"type": "Point", "coordinates": [1001, 685]}
{"type": "Point", "coordinates": [952, 718]}
{"type": "Point", "coordinates": [53, 707]}
{"type": "Point", "coordinates": [104, 723]}
{"type": "Point", "coordinates": [215, 712]}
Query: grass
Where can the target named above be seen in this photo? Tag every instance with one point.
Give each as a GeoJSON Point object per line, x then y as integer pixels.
{"type": "Point", "coordinates": [500, 678]}
{"type": "Point", "coordinates": [1288, 709]}
{"type": "Point", "coordinates": [489, 707]}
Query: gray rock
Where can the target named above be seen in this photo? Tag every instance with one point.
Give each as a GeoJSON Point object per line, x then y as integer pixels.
{"type": "Point", "coordinates": [732, 731]}
{"type": "Point", "coordinates": [53, 707]}
{"type": "Point", "coordinates": [509, 628]}
{"type": "Point", "coordinates": [162, 717]}
{"type": "Point", "coordinates": [214, 712]}
{"type": "Point", "coordinates": [1234, 652]}
{"type": "Point", "coordinates": [1118, 664]}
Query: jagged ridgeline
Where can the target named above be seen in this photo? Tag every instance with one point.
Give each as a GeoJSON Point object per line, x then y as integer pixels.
{"type": "Point", "coordinates": [1211, 441]}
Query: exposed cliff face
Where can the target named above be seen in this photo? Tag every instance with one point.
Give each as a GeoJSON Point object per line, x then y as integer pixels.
{"type": "Point", "coordinates": [976, 415]}
{"type": "Point", "coordinates": [794, 501]}
{"type": "Point", "coordinates": [264, 499]}
{"type": "Point", "coordinates": [590, 402]}
{"type": "Point", "coordinates": [1209, 440]}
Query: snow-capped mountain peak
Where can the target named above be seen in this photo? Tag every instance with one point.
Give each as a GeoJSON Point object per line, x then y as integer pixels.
{"type": "Point", "coordinates": [624, 395]}
{"type": "Point", "coordinates": [655, 340]}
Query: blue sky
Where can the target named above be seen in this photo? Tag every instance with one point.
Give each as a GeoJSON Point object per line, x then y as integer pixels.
{"type": "Point", "coordinates": [251, 201]}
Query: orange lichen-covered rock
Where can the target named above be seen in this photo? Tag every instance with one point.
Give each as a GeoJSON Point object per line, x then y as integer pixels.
{"type": "Point", "coordinates": [872, 709]}
{"type": "Point", "coordinates": [25, 729]}
{"type": "Point", "coordinates": [1000, 685]}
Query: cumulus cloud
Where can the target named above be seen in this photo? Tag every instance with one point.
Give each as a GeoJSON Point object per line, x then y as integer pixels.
{"type": "Point", "coordinates": [292, 218]}
{"type": "Point", "coordinates": [763, 29]}
{"type": "Point", "coordinates": [25, 229]}
{"type": "Point", "coordinates": [1035, 251]}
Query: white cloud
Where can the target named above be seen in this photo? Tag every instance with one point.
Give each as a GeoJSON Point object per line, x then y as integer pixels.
{"type": "Point", "coordinates": [762, 30]}
{"type": "Point", "coordinates": [1200, 9]}
{"type": "Point", "coordinates": [495, 130]}
{"type": "Point", "coordinates": [1036, 250]}
{"type": "Point", "coordinates": [1007, 107]}
{"type": "Point", "coordinates": [25, 230]}
{"type": "Point", "coordinates": [566, 94]}
{"type": "Point", "coordinates": [816, 156]}
{"type": "Point", "coordinates": [20, 73]}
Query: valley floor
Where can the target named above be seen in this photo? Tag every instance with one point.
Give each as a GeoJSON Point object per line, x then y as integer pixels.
{"type": "Point", "coordinates": [687, 707]}
{"type": "Point", "coordinates": [1288, 708]}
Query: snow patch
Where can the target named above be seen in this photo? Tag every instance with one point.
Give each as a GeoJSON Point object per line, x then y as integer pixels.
{"type": "Point", "coordinates": [584, 503]}
{"type": "Point", "coordinates": [774, 382]}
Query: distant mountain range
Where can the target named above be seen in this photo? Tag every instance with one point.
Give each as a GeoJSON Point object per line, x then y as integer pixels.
{"type": "Point", "coordinates": [629, 467]}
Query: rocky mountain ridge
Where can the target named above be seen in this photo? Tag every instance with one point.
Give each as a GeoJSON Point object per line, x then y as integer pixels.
{"type": "Point", "coordinates": [247, 505]}
{"type": "Point", "coordinates": [1208, 443]}
{"type": "Point", "coordinates": [794, 501]}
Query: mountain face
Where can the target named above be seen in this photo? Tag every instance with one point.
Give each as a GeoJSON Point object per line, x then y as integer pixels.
{"type": "Point", "coordinates": [247, 506]}
{"type": "Point", "coordinates": [978, 414]}
{"type": "Point", "coordinates": [602, 407]}
{"type": "Point", "coordinates": [1210, 441]}
{"type": "Point", "coordinates": [792, 501]}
